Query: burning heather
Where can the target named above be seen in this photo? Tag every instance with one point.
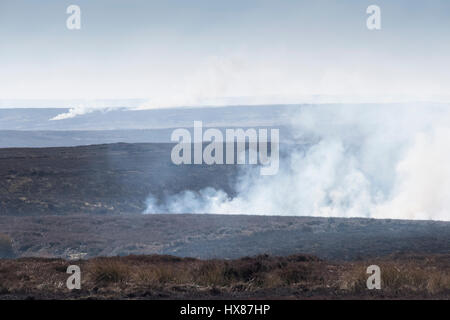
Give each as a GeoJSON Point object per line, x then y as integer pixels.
{"type": "Point", "coordinates": [371, 160]}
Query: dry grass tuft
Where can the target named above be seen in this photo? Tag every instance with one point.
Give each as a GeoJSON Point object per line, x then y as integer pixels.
{"type": "Point", "coordinates": [109, 270]}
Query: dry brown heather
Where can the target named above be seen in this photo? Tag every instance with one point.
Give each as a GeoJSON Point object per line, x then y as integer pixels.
{"type": "Point", "coordinates": [167, 277]}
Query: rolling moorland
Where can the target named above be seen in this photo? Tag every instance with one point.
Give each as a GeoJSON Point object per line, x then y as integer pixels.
{"type": "Point", "coordinates": [57, 203]}
{"type": "Point", "coordinates": [90, 199]}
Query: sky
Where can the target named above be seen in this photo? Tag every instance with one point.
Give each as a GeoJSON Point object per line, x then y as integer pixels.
{"type": "Point", "coordinates": [178, 52]}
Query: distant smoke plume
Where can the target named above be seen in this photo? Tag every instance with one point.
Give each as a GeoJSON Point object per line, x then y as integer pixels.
{"type": "Point", "coordinates": [73, 112]}
{"type": "Point", "coordinates": [92, 106]}
{"type": "Point", "coordinates": [379, 161]}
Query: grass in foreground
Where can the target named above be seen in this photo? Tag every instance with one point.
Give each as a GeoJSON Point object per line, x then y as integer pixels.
{"type": "Point", "coordinates": [162, 277]}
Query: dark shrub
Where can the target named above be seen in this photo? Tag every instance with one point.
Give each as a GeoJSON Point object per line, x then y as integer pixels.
{"type": "Point", "coordinates": [6, 248]}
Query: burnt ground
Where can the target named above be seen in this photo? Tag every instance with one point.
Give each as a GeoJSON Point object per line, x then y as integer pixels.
{"type": "Point", "coordinates": [89, 199]}
{"type": "Point", "coordinates": [221, 236]}
{"type": "Point", "coordinates": [100, 179]}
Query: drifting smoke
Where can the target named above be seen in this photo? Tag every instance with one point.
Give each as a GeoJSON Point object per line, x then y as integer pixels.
{"type": "Point", "coordinates": [95, 106]}
{"type": "Point", "coordinates": [73, 112]}
{"type": "Point", "coordinates": [379, 161]}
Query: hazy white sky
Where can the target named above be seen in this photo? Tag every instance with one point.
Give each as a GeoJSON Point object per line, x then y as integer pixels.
{"type": "Point", "coordinates": [178, 52]}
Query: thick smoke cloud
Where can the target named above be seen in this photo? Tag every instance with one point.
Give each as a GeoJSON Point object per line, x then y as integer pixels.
{"type": "Point", "coordinates": [379, 161]}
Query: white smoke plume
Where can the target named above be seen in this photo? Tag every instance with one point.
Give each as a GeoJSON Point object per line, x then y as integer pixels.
{"type": "Point", "coordinates": [74, 112]}
{"type": "Point", "coordinates": [379, 161]}
{"type": "Point", "coordinates": [90, 106]}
